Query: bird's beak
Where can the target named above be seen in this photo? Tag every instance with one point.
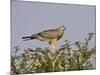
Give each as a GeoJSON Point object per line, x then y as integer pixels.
{"type": "Point", "coordinates": [64, 28]}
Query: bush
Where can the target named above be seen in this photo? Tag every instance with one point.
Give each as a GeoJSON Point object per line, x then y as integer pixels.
{"type": "Point", "coordinates": [63, 59]}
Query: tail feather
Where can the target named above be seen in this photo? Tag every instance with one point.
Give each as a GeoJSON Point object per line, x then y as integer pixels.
{"type": "Point", "coordinates": [34, 36]}
{"type": "Point", "coordinates": [26, 37]}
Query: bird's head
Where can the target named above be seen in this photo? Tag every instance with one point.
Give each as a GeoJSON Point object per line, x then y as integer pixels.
{"type": "Point", "coordinates": [62, 28]}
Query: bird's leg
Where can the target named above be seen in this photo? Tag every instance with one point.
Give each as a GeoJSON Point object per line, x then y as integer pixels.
{"type": "Point", "coordinates": [52, 43]}
{"type": "Point", "coordinates": [53, 46]}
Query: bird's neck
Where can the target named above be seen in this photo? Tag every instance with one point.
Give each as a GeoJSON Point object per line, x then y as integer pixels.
{"type": "Point", "coordinates": [61, 31]}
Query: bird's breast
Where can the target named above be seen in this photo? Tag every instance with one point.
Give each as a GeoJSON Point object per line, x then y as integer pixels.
{"type": "Point", "coordinates": [60, 34]}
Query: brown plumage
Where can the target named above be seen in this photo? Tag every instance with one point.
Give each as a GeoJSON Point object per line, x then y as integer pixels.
{"type": "Point", "coordinates": [51, 36]}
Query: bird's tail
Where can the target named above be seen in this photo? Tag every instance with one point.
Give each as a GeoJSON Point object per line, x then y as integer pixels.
{"type": "Point", "coordinates": [30, 37]}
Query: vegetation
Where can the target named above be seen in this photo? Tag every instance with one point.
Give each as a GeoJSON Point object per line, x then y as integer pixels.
{"type": "Point", "coordinates": [63, 59]}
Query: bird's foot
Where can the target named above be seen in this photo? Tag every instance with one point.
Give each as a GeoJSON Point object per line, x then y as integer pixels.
{"type": "Point", "coordinates": [54, 50]}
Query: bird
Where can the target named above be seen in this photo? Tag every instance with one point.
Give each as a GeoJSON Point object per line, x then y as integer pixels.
{"type": "Point", "coordinates": [50, 35]}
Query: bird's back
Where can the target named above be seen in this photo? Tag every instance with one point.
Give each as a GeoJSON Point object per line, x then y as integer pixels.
{"type": "Point", "coordinates": [50, 34]}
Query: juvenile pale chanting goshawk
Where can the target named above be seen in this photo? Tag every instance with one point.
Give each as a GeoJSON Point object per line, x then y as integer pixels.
{"type": "Point", "coordinates": [52, 36]}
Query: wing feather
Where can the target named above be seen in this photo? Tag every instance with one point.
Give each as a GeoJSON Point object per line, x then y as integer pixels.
{"type": "Point", "coordinates": [49, 34]}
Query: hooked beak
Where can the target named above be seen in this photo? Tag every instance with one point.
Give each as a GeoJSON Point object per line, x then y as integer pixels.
{"type": "Point", "coordinates": [64, 28]}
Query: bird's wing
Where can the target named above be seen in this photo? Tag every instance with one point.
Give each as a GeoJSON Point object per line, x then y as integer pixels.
{"type": "Point", "coordinates": [49, 34]}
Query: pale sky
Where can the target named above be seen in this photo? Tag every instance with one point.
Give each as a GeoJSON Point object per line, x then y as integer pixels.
{"type": "Point", "coordinates": [32, 17]}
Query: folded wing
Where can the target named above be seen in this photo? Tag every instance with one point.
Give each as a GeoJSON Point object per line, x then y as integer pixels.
{"type": "Point", "coordinates": [49, 34]}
